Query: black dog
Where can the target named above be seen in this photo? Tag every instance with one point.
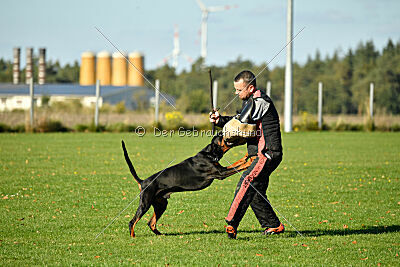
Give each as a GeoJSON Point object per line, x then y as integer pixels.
{"type": "Point", "coordinates": [195, 173]}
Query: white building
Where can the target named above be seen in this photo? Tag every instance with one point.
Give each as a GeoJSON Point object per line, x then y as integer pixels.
{"type": "Point", "coordinates": [17, 96]}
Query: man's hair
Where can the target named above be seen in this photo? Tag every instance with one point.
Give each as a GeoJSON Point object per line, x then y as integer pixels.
{"type": "Point", "coordinates": [248, 77]}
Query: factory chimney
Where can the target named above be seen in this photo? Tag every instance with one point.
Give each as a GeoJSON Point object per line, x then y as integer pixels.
{"type": "Point", "coordinates": [29, 65]}
{"type": "Point", "coordinates": [16, 65]}
{"type": "Point", "coordinates": [42, 66]}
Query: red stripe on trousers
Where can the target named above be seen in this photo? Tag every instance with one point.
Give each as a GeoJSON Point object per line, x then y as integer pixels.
{"type": "Point", "coordinates": [245, 185]}
{"type": "Point", "coordinates": [250, 177]}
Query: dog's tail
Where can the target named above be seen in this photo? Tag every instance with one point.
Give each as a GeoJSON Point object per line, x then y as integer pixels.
{"type": "Point", "coordinates": [131, 168]}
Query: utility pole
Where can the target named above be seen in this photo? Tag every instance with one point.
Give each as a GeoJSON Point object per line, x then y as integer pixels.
{"type": "Point", "coordinates": [371, 101]}
{"type": "Point", "coordinates": [320, 105]}
{"type": "Point", "coordinates": [288, 69]}
{"type": "Point", "coordinates": [157, 100]}
{"type": "Point", "coordinates": [31, 93]}
{"type": "Point", "coordinates": [215, 94]}
{"type": "Point", "coordinates": [269, 88]}
{"type": "Point", "coordinates": [96, 112]}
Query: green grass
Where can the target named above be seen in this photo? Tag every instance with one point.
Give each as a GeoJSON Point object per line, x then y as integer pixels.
{"type": "Point", "coordinates": [58, 191]}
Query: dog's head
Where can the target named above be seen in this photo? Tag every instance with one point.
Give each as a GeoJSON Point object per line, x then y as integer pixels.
{"type": "Point", "coordinates": [218, 146]}
{"type": "Point", "coordinates": [219, 140]}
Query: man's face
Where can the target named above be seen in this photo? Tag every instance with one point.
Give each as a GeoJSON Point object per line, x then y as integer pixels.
{"type": "Point", "coordinates": [243, 90]}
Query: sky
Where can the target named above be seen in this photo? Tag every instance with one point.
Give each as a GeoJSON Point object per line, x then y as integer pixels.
{"type": "Point", "coordinates": [255, 30]}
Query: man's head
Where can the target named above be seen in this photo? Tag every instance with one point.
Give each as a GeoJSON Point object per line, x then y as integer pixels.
{"type": "Point", "coordinates": [245, 84]}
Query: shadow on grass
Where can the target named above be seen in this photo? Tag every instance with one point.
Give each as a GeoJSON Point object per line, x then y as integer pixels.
{"type": "Point", "coordinates": [307, 233]}
{"type": "Point", "coordinates": [364, 231]}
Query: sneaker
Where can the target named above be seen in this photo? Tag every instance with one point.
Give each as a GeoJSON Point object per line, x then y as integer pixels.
{"type": "Point", "coordinates": [231, 231]}
{"type": "Point", "coordinates": [271, 231]}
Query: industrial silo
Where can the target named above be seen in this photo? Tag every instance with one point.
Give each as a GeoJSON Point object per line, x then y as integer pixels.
{"type": "Point", "coordinates": [87, 75]}
{"type": "Point", "coordinates": [103, 68]}
{"type": "Point", "coordinates": [118, 69]}
{"type": "Point", "coordinates": [135, 74]}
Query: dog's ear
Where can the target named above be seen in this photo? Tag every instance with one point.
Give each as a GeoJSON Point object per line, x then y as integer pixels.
{"type": "Point", "coordinates": [217, 139]}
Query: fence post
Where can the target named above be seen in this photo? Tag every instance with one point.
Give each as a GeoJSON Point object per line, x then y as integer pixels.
{"type": "Point", "coordinates": [96, 113]}
{"type": "Point", "coordinates": [269, 88]}
{"type": "Point", "coordinates": [320, 105]}
{"type": "Point", "coordinates": [215, 94]}
{"type": "Point", "coordinates": [31, 93]}
{"type": "Point", "coordinates": [157, 100]}
{"type": "Point", "coordinates": [371, 100]}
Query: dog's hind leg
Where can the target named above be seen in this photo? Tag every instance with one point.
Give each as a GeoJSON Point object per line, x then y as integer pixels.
{"type": "Point", "coordinates": [160, 205]}
{"type": "Point", "coordinates": [142, 209]}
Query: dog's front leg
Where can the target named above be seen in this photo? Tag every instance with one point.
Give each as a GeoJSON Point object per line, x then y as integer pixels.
{"type": "Point", "coordinates": [238, 163]}
{"type": "Point", "coordinates": [245, 164]}
{"type": "Point", "coordinates": [224, 172]}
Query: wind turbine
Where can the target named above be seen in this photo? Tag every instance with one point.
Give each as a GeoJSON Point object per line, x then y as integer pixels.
{"type": "Point", "coordinates": [204, 16]}
{"type": "Point", "coordinates": [176, 52]}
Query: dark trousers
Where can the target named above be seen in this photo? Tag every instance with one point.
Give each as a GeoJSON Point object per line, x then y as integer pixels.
{"type": "Point", "coordinates": [251, 191]}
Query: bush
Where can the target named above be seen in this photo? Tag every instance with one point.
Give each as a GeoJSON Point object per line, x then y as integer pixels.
{"type": "Point", "coordinates": [47, 126]}
{"type": "Point", "coordinates": [308, 123]}
{"type": "Point", "coordinates": [369, 125]}
{"type": "Point", "coordinates": [342, 126]}
{"type": "Point", "coordinates": [106, 108]}
{"type": "Point", "coordinates": [90, 128]}
{"type": "Point", "coordinates": [81, 127]}
{"type": "Point", "coordinates": [4, 128]}
{"type": "Point", "coordinates": [325, 127]}
{"type": "Point", "coordinates": [120, 107]}
{"type": "Point", "coordinates": [157, 125]}
{"type": "Point", "coordinates": [388, 128]}
{"type": "Point", "coordinates": [20, 128]}
{"type": "Point", "coordinates": [45, 100]}
{"type": "Point", "coordinates": [174, 120]}
{"type": "Point", "coordinates": [395, 128]}
{"type": "Point", "coordinates": [118, 127]}
{"type": "Point", "coordinates": [93, 128]}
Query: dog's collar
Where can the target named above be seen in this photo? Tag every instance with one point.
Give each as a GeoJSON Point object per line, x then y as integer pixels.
{"type": "Point", "coordinates": [213, 158]}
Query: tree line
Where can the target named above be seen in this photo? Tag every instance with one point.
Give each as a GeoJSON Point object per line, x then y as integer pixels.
{"type": "Point", "coordinates": [345, 77]}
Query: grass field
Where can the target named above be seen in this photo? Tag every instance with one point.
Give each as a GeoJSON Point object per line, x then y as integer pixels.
{"type": "Point", "coordinates": [58, 191]}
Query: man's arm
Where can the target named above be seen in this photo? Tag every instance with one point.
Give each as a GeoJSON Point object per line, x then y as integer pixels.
{"type": "Point", "coordinates": [223, 120]}
{"type": "Point", "coordinates": [219, 120]}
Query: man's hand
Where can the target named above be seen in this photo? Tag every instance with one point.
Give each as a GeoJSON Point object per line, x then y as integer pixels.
{"type": "Point", "coordinates": [214, 116]}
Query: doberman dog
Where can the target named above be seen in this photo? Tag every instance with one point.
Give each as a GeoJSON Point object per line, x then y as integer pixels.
{"type": "Point", "coordinates": [194, 173]}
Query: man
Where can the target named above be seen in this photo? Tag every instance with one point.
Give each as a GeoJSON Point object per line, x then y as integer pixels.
{"type": "Point", "coordinates": [251, 190]}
